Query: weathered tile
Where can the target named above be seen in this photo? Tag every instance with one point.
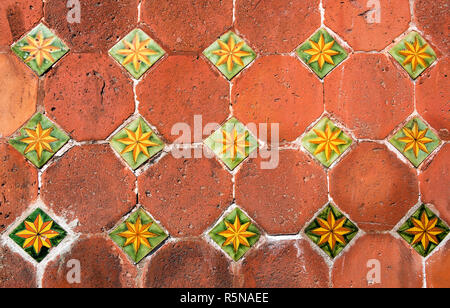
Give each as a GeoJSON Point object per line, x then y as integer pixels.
{"type": "Point", "coordinates": [137, 52]}
{"type": "Point", "coordinates": [39, 140]}
{"type": "Point", "coordinates": [424, 231]}
{"type": "Point", "coordinates": [230, 54]}
{"type": "Point", "coordinates": [415, 141]}
{"type": "Point", "coordinates": [40, 49]}
{"type": "Point", "coordinates": [331, 231]}
{"type": "Point", "coordinates": [321, 53]}
{"type": "Point", "coordinates": [414, 54]}
{"type": "Point", "coordinates": [138, 235]}
{"type": "Point", "coordinates": [137, 143]}
{"type": "Point", "coordinates": [232, 143]}
{"type": "Point", "coordinates": [235, 234]}
{"type": "Point", "coordinates": [326, 142]}
{"type": "Point", "coordinates": [38, 234]}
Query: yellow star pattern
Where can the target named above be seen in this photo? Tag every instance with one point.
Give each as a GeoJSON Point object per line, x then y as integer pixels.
{"type": "Point", "coordinates": [39, 140]}
{"type": "Point", "coordinates": [137, 52]}
{"type": "Point", "coordinates": [37, 234]}
{"type": "Point", "coordinates": [321, 52]}
{"type": "Point", "coordinates": [234, 143]}
{"type": "Point", "coordinates": [424, 231]}
{"type": "Point", "coordinates": [328, 141]}
{"type": "Point", "coordinates": [331, 231]}
{"type": "Point", "coordinates": [415, 54]}
{"type": "Point", "coordinates": [137, 234]}
{"type": "Point", "coordinates": [40, 49]}
{"type": "Point", "coordinates": [137, 142]}
{"type": "Point", "coordinates": [236, 234]}
{"type": "Point", "coordinates": [230, 53]}
{"type": "Point", "coordinates": [415, 139]}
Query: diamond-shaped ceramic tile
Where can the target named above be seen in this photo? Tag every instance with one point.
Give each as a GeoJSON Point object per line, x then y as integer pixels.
{"type": "Point", "coordinates": [414, 54]}
{"type": "Point", "coordinates": [415, 141]}
{"type": "Point", "coordinates": [331, 231]}
{"type": "Point", "coordinates": [424, 231]}
{"type": "Point", "coordinates": [38, 234]}
{"type": "Point", "coordinates": [39, 140]}
{"type": "Point", "coordinates": [326, 142]}
{"type": "Point", "coordinates": [232, 143]}
{"type": "Point", "coordinates": [230, 54]}
{"type": "Point", "coordinates": [137, 52]}
{"type": "Point", "coordinates": [322, 53]}
{"type": "Point", "coordinates": [40, 49]}
{"type": "Point", "coordinates": [137, 143]}
{"type": "Point", "coordinates": [138, 235]}
{"type": "Point", "coordinates": [235, 234]}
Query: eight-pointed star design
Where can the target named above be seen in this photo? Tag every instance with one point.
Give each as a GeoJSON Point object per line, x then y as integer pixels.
{"type": "Point", "coordinates": [331, 231]}
{"type": "Point", "coordinates": [321, 52]}
{"type": "Point", "coordinates": [137, 142]}
{"type": "Point", "coordinates": [236, 234]}
{"type": "Point", "coordinates": [230, 53]}
{"type": "Point", "coordinates": [40, 48]}
{"type": "Point", "coordinates": [37, 234]}
{"type": "Point", "coordinates": [39, 140]}
{"type": "Point", "coordinates": [137, 52]}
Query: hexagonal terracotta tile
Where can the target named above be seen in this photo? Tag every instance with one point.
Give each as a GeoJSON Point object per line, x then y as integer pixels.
{"type": "Point", "coordinates": [282, 199]}
{"type": "Point", "coordinates": [432, 90]}
{"type": "Point", "coordinates": [181, 88]}
{"type": "Point", "coordinates": [367, 24]}
{"type": "Point", "coordinates": [19, 94]}
{"type": "Point", "coordinates": [175, 188]}
{"type": "Point", "coordinates": [294, 98]}
{"type": "Point", "coordinates": [94, 76]}
{"type": "Point", "coordinates": [374, 187]}
{"type": "Point", "coordinates": [369, 94]}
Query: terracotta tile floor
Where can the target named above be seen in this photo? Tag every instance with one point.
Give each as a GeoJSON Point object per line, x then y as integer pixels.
{"type": "Point", "coordinates": [232, 143]}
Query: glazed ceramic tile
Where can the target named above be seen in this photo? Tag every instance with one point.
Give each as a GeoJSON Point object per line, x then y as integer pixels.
{"type": "Point", "coordinates": [415, 141]}
{"type": "Point", "coordinates": [138, 235]}
{"type": "Point", "coordinates": [137, 52]}
{"type": "Point", "coordinates": [137, 143]}
{"type": "Point", "coordinates": [39, 140]}
{"type": "Point", "coordinates": [414, 54]}
{"type": "Point", "coordinates": [232, 143]}
{"type": "Point", "coordinates": [326, 142]}
{"type": "Point", "coordinates": [321, 53]}
{"type": "Point", "coordinates": [424, 231]}
{"type": "Point", "coordinates": [40, 49]}
{"type": "Point", "coordinates": [38, 234]}
{"type": "Point", "coordinates": [230, 54]}
{"type": "Point", "coordinates": [236, 234]}
{"type": "Point", "coordinates": [331, 231]}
